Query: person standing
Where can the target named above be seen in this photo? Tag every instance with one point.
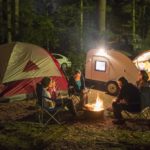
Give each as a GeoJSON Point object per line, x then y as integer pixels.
{"type": "Point", "coordinates": [77, 87]}
{"type": "Point", "coordinates": [76, 83]}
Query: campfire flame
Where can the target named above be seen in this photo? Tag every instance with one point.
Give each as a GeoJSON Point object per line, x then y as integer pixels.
{"type": "Point", "coordinates": [98, 105]}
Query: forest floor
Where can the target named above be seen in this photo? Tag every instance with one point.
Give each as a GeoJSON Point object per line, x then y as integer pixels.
{"type": "Point", "coordinates": [20, 130]}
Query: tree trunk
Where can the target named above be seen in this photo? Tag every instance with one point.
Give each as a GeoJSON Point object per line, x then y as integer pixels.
{"type": "Point", "coordinates": [1, 20]}
{"type": "Point", "coordinates": [133, 24]}
{"type": "Point", "coordinates": [102, 20]}
{"type": "Point", "coordinates": [16, 17]}
{"type": "Point", "coordinates": [81, 25]}
{"type": "Point", "coordinates": [9, 24]}
{"type": "Point", "coordinates": [3, 29]}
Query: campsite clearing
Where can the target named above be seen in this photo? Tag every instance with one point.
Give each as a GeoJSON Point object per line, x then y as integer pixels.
{"type": "Point", "coordinates": [19, 129]}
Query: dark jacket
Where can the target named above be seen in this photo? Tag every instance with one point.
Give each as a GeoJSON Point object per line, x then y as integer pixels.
{"type": "Point", "coordinates": [39, 89]}
{"type": "Point", "coordinates": [131, 94]}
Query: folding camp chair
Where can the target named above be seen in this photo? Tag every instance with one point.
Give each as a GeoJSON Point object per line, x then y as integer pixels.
{"type": "Point", "coordinates": [45, 115]}
{"type": "Point", "coordinates": [145, 106]}
{"type": "Point", "coordinates": [144, 114]}
{"type": "Point", "coordinates": [51, 112]}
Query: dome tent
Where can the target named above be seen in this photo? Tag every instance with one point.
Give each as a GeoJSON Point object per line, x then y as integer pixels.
{"type": "Point", "coordinates": [22, 66]}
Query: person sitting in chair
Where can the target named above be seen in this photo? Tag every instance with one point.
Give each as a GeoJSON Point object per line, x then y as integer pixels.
{"type": "Point", "coordinates": [144, 86]}
{"type": "Point", "coordinates": [77, 87]}
{"type": "Point", "coordinates": [142, 80]}
{"type": "Point", "coordinates": [128, 99]}
{"type": "Point", "coordinates": [45, 98]}
{"type": "Point", "coordinates": [76, 83]}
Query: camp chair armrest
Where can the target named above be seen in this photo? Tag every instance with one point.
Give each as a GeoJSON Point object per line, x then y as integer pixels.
{"type": "Point", "coordinates": [47, 98]}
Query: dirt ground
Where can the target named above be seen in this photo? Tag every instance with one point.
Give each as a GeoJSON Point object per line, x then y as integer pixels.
{"type": "Point", "coordinates": [26, 110]}
{"type": "Point", "coordinates": [19, 129]}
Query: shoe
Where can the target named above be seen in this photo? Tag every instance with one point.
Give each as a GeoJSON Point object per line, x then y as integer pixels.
{"type": "Point", "coordinates": [118, 121]}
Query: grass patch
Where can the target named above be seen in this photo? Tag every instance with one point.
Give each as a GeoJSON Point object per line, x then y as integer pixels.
{"type": "Point", "coordinates": [27, 135]}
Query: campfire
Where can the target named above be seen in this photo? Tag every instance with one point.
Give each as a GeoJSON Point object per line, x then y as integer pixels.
{"type": "Point", "coordinates": [95, 110]}
{"type": "Point", "coordinates": [97, 106]}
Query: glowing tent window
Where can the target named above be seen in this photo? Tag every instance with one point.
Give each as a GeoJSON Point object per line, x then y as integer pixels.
{"type": "Point", "coordinates": [100, 66]}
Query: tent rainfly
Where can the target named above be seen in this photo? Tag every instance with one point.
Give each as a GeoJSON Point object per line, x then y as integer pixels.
{"type": "Point", "coordinates": [22, 65]}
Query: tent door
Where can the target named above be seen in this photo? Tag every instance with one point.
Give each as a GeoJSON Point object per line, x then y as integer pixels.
{"type": "Point", "coordinates": [100, 68]}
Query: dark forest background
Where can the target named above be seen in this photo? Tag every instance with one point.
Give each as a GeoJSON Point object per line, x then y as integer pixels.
{"type": "Point", "coordinates": [56, 25]}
